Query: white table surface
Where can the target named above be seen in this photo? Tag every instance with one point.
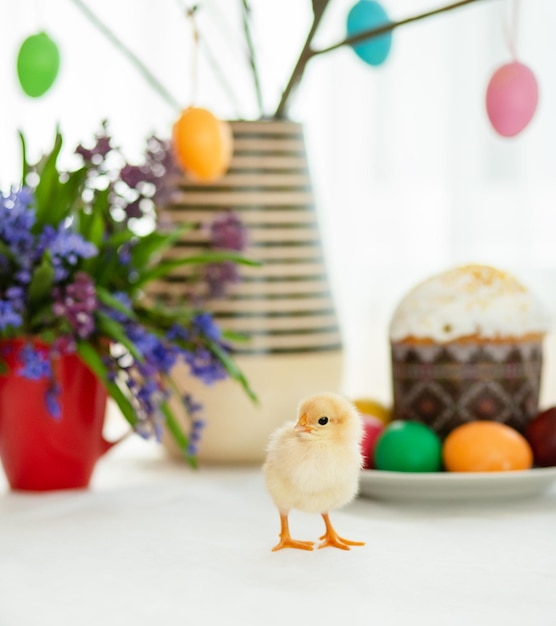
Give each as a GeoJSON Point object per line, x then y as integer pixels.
{"type": "Point", "coordinates": [153, 542]}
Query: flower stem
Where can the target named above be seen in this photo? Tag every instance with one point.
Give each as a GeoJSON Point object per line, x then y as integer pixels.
{"type": "Point", "coordinates": [131, 56]}
{"type": "Point", "coordinates": [308, 53]}
{"type": "Point", "coordinates": [246, 14]}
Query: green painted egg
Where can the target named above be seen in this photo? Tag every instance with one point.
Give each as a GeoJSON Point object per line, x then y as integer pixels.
{"type": "Point", "coordinates": [38, 62]}
{"type": "Point", "coordinates": [406, 446]}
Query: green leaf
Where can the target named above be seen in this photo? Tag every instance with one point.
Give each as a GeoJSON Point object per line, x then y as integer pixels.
{"type": "Point", "coordinates": [4, 369]}
{"type": "Point", "coordinates": [92, 358]}
{"type": "Point", "coordinates": [93, 224]}
{"type": "Point", "coordinates": [25, 164]}
{"type": "Point", "coordinates": [42, 316]}
{"type": "Point", "coordinates": [70, 192]}
{"type": "Point", "coordinates": [101, 201]}
{"type": "Point", "coordinates": [6, 251]}
{"type": "Point", "coordinates": [155, 243]}
{"type": "Point", "coordinates": [45, 191]}
{"type": "Point", "coordinates": [167, 267]}
{"type": "Point", "coordinates": [177, 433]}
{"type": "Point", "coordinates": [115, 331]}
{"type": "Point", "coordinates": [236, 337]}
{"type": "Point", "coordinates": [41, 282]}
{"type": "Point", "coordinates": [109, 300]}
{"type": "Point", "coordinates": [233, 370]}
{"type": "Point", "coordinates": [119, 238]}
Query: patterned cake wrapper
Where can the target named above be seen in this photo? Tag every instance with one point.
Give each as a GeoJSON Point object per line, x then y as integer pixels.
{"type": "Point", "coordinates": [444, 386]}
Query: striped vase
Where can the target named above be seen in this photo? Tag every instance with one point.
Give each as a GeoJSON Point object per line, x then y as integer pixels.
{"type": "Point", "coordinates": [284, 307]}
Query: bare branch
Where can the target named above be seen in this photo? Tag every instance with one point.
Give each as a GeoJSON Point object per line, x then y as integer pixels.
{"type": "Point", "coordinates": [308, 53]}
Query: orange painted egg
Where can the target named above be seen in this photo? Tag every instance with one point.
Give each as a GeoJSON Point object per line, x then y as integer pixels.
{"type": "Point", "coordinates": [203, 144]}
{"type": "Point", "coordinates": [485, 446]}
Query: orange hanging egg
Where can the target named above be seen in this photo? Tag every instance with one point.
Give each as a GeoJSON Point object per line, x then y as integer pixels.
{"type": "Point", "coordinates": [203, 144]}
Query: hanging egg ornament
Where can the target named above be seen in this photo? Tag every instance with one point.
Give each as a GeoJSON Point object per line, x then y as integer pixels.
{"type": "Point", "coordinates": [366, 15]}
{"type": "Point", "coordinates": [38, 62]}
{"type": "Point", "coordinates": [203, 144]}
{"type": "Point", "coordinates": [511, 98]}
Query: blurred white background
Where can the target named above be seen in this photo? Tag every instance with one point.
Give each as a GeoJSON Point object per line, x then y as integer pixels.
{"type": "Point", "coordinates": [409, 176]}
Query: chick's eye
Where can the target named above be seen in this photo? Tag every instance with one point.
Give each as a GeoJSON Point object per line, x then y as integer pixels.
{"type": "Point", "coordinates": [323, 421]}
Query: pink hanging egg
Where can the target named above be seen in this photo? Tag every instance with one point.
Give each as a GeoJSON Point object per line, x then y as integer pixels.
{"type": "Point", "coordinates": [511, 98]}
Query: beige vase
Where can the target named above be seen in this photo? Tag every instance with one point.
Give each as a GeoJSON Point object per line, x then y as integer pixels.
{"type": "Point", "coordinates": [284, 307]}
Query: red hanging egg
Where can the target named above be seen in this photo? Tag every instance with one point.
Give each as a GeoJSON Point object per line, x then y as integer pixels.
{"type": "Point", "coordinates": [511, 98]}
{"type": "Point", "coordinates": [203, 144]}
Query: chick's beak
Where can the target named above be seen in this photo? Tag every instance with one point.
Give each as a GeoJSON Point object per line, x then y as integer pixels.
{"type": "Point", "coordinates": [302, 426]}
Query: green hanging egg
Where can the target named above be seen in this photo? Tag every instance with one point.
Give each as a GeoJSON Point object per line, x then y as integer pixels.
{"type": "Point", "coordinates": [38, 62]}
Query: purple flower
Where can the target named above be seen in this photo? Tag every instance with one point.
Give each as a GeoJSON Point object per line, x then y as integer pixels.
{"type": "Point", "coordinates": [99, 151]}
{"type": "Point", "coordinates": [217, 276]}
{"type": "Point", "coordinates": [77, 302]}
{"type": "Point", "coordinates": [227, 232]}
{"type": "Point", "coordinates": [35, 364]}
{"type": "Point", "coordinates": [63, 345]}
{"type": "Point", "coordinates": [132, 175]}
{"type": "Point", "coordinates": [133, 209]}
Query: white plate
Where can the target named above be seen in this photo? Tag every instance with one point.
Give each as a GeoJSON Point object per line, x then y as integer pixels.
{"type": "Point", "coordinates": [442, 486]}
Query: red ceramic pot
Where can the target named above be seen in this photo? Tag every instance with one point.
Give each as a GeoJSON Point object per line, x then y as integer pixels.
{"type": "Point", "coordinates": [40, 452]}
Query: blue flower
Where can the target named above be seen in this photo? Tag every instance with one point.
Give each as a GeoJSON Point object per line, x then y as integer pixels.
{"type": "Point", "coordinates": [195, 436]}
{"type": "Point", "coordinates": [66, 248]}
{"type": "Point", "coordinates": [35, 364]}
{"type": "Point", "coordinates": [9, 316]}
{"type": "Point", "coordinates": [158, 355]}
{"type": "Point", "coordinates": [177, 333]}
{"type": "Point", "coordinates": [53, 402]}
{"type": "Point", "coordinates": [116, 314]}
{"type": "Point", "coordinates": [205, 366]}
{"type": "Point", "coordinates": [16, 220]}
{"type": "Point", "coordinates": [204, 323]}
{"type": "Point", "coordinates": [191, 405]}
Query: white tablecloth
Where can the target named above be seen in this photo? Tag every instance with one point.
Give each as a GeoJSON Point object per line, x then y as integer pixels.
{"type": "Point", "coordinates": [153, 542]}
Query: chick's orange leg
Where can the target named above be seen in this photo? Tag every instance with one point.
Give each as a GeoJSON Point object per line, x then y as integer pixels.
{"type": "Point", "coordinates": [332, 539]}
{"type": "Point", "coordinates": [285, 539]}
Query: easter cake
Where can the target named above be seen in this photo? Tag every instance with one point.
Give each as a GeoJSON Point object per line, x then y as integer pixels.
{"type": "Point", "coordinates": [467, 345]}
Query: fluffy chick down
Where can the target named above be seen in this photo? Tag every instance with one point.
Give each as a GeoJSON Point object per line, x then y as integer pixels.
{"type": "Point", "coordinates": [316, 471]}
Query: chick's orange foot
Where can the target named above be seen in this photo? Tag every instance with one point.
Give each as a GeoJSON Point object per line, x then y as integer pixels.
{"type": "Point", "coordinates": [288, 542]}
{"type": "Point", "coordinates": [331, 539]}
{"type": "Point", "coordinates": [285, 539]}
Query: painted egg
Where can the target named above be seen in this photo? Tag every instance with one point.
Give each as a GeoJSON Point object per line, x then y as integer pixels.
{"type": "Point", "coordinates": [485, 446]}
{"type": "Point", "coordinates": [38, 63]}
{"type": "Point", "coordinates": [366, 15]}
{"type": "Point", "coordinates": [203, 144]}
{"type": "Point", "coordinates": [368, 406]}
{"type": "Point", "coordinates": [541, 435]}
{"type": "Point", "coordinates": [511, 98]}
{"type": "Point", "coordinates": [372, 429]}
{"type": "Point", "coordinates": [406, 446]}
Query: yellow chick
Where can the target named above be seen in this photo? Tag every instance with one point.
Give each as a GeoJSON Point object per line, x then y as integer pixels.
{"type": "Point", "coordinates": [314, 465]}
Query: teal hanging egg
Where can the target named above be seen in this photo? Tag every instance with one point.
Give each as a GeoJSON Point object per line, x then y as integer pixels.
{"type": "Point", "coordinates": [38, 62]}
{"type": "Point", "coordinates": [366, 15]}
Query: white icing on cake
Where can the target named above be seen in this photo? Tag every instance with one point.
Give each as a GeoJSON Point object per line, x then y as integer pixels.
{"type": "Point", "coordinates": [474, 300]}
